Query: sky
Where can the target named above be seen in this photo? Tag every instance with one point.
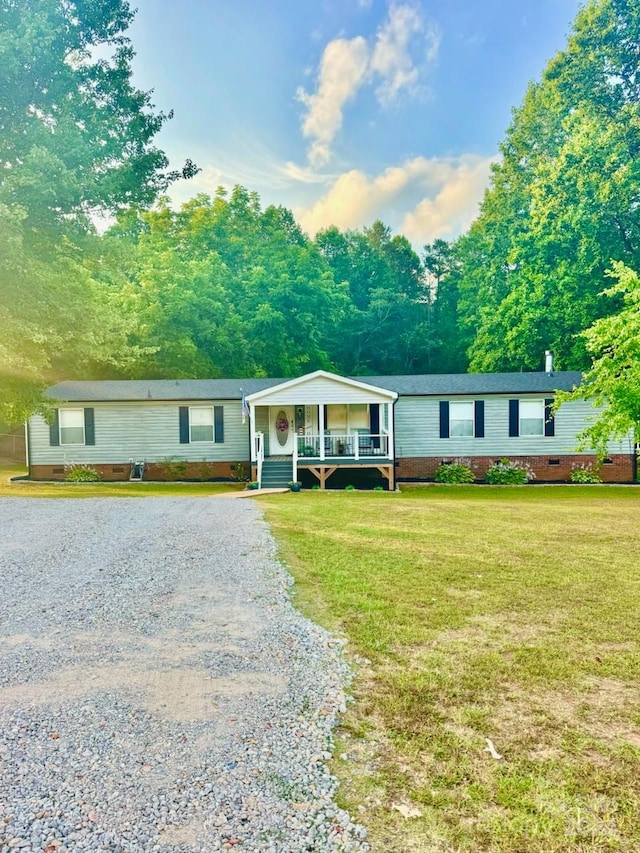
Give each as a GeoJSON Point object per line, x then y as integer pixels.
{"type": "Point", "coordinates": [345, 111]}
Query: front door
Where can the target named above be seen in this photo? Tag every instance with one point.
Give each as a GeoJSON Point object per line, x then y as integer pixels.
{"type": "Point", "coordinates": [282, 430]}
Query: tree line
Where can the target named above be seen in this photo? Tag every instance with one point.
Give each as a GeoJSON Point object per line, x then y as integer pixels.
{"type": "Point", "coordinates": [225, 287]}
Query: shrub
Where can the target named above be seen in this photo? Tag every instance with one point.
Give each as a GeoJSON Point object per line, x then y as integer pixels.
{"type": "Point", "coordinates": [174, 469]}
{"type": "Point", "coordinates": [82, 474]}
{"type": "Point", "coordinates": [349, 488]}
{"type": "Point", "coordinates": [239, 472]}
{"type": "Point", "coordinates": [378, 488]}
{"type": "Point", "coordinates": [584, 474]}
{"type": "Point", "coordinates": [506, 473]}
{"type": "Point", "coordinates": [454, 472]}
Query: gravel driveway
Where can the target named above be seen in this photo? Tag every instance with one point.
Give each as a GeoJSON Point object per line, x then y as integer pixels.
{"type": "Point", "coordinates": [157, 690]}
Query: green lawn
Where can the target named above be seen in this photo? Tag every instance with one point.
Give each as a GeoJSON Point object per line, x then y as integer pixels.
{"type": "Point", "coordinates": [473, 613]}
{"type": "Point", "coordinates": [106, 490]}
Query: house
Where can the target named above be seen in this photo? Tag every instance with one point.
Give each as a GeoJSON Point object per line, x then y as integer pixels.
{"type": "Point", "coordinates": [320, 428]}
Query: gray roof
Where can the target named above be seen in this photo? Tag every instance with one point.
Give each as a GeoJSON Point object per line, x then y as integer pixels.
{"type": "Point", "coordinates": [452, 384]}
{"type": "Point", "coordinates": [434, 385]}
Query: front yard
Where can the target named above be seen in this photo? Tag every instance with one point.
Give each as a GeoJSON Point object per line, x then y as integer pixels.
{"type": "Point", "coordinates": [503, 613]}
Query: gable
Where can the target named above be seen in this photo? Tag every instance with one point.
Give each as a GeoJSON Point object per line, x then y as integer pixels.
{"type": "Point", "coordinates": [321, 388]}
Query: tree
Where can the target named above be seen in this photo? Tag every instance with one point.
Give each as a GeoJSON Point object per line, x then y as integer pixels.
{"type": "Point", "coordinates": [385, 328]}
{"type": "Point", "coordinates": [223, 288]}
{"type": "Point", "coordinates": [443, 275]}
{"type": "Point", "coordinates": [75, 139]}
{"type": "Point", "coordinates": [562, 203]}
{"type": "Point", "coordinates": [613, 380]}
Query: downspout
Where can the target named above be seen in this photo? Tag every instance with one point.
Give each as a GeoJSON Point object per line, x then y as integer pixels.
{"type": "Point", "coordinates": [27, 453]}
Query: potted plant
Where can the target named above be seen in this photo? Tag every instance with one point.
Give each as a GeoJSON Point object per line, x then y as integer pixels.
{"type": "Point", "coordinates": [254, 484]}
{"type": "Point", "coordinates": [295, 487]}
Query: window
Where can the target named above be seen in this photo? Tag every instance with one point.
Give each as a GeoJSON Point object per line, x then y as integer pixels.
{"type": "Point", "coordinates": [71, 426]}
{"type": "Point", "coordinates": [531, 417]}
{"type": "Point", "coordinates": [460, 419]}
{"type": "Point", "coordinates": [201, 423]}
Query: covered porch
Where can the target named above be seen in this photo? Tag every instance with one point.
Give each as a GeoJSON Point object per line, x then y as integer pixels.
{"type": "Point", "coordinates": [322, 422]}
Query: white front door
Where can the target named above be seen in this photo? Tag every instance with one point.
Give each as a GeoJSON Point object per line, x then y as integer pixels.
{"type": "Point", "coordinates": [283, 433]}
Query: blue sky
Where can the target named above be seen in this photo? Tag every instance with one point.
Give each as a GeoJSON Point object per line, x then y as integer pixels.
{"type": "Point", "coordinates": [345, 110]}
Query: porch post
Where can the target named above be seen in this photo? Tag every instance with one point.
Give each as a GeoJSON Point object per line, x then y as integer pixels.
{"type": "Point", "coordinates": [321, 428]}
{"type": "Point", "coordinates": [252, 431]}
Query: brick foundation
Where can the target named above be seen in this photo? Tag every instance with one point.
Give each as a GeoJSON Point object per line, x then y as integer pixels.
{"type": "Point", "coordinates": [548, 469]}
{"type": "Point", "coordinates": [153, 471]}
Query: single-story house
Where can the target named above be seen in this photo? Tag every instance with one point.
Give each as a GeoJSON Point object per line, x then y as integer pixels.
{"type": "Point", "coordinates": [319, 428]}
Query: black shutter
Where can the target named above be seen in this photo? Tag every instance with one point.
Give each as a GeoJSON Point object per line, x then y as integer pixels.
{"type": "Point", "coordinates": [374, 423]}
{"type": "Point", "coordinates": [514, 418]}
{"type": "Point", "coordinates": [479, 419]}
{"type": "Point", "coordinates": [549, 420]}
{"type": "Point", "coordinates": [184, 424]}
{"type": "Point", "coordinates": [218, 421]}
{"type": "Point", "coordinates": [444, 419]}
{"type": "Point", "coordinates": [89, 427]}
{"type": "Point", "coordinates": [54, 429]}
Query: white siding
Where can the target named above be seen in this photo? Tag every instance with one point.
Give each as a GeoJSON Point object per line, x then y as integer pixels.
{"type": "Point", "coordinates": [417, 426]}
{"type": "Point", "coordinates": [320, 390]}
{"type": "Point", "coordinates": [148, 431]}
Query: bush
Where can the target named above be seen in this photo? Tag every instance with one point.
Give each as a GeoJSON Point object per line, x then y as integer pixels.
{"type": "Point", "coordinates": [378, 488]}
{"type": "Point", "coordinates": [174, 469]}
{"type": "Point", "coordinates": [506, 473]}
{"type": "Point", "coordinates": [82, 474]}
{"type": "Point", "coordinates": [454, 472]}
{"type": "Point", "coordinates": [349, 488]}
{"type": "Point", "coordinates": [584, 474]}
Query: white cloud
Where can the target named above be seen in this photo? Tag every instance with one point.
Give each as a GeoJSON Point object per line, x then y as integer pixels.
{"type": "Point", "coordinates": [452, 210]}
{"type": "Point", "coordinates": [342, 70]}
{"type": "Point", "coordinates": [403, 46]}
{"type": "Point", "coordinates": [404, 33]}
{"type": "Point", "coordinates": [423, 198]}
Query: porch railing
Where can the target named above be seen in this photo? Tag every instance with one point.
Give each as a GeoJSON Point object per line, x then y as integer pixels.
{"type": "Point", "coordinates": [259, 455]}
{"type": "Point", "coordinates": [353, 446]}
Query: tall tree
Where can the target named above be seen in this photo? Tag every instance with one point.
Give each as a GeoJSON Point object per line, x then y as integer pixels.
{"type": "Point", "coordinates": [443, 277]}
{"type": "Point", "coordinates": [386, 327]}
{"type": "Point", "coordinates": [223, 288]}
{"type": "Point", "coordinates": [76, 138]}
{"type": "Point", "coordinates": [562, 202]}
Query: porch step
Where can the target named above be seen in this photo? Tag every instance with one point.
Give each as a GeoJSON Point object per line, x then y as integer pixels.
{"type": "Point", "coordinates": [276, 474]}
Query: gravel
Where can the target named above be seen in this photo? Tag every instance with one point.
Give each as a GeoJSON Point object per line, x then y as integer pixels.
{"type": "Point", "coordinates": [158, 691]}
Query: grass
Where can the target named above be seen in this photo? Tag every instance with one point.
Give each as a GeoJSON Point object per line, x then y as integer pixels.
{"type": "Point", "coordinates": [474, 613]}
{"type": "Point", "coordinates": [105, 490]}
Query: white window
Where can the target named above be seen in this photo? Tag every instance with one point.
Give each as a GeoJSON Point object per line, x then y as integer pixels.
{"type": "Point", "coordinates": [201, 423]}
{"type": "Point", "coordinates": [531, 417]}
{"type": "Point", "coordinates": [461, 418]}
{"type": "Point", "coordinates": [71, 426]}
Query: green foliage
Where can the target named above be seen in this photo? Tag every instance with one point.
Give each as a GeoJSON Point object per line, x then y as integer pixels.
{"type": "Point", "coordinates": [173, 469]}
{"type": "Point", "coordinates": [454, 472]}
{"type": "Point", "coordinates": [507, 473]}
{"type": "Point", "coordinates": [75, 139]}
{"type": "Point", "coordinates": [378, 488]}
{"type": "Point", "coordinates": [349, 488]}
{"type": "Point", "coordinates": [584, 474]}
{"type": "Point", "coordinates": [239, 472]}
{"type": "Point", "coordinates": [613, 381]}
{"type": "Point", "coordinates": [561, 205]}
{"type": "Point", "coordinates": [82, 474]}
